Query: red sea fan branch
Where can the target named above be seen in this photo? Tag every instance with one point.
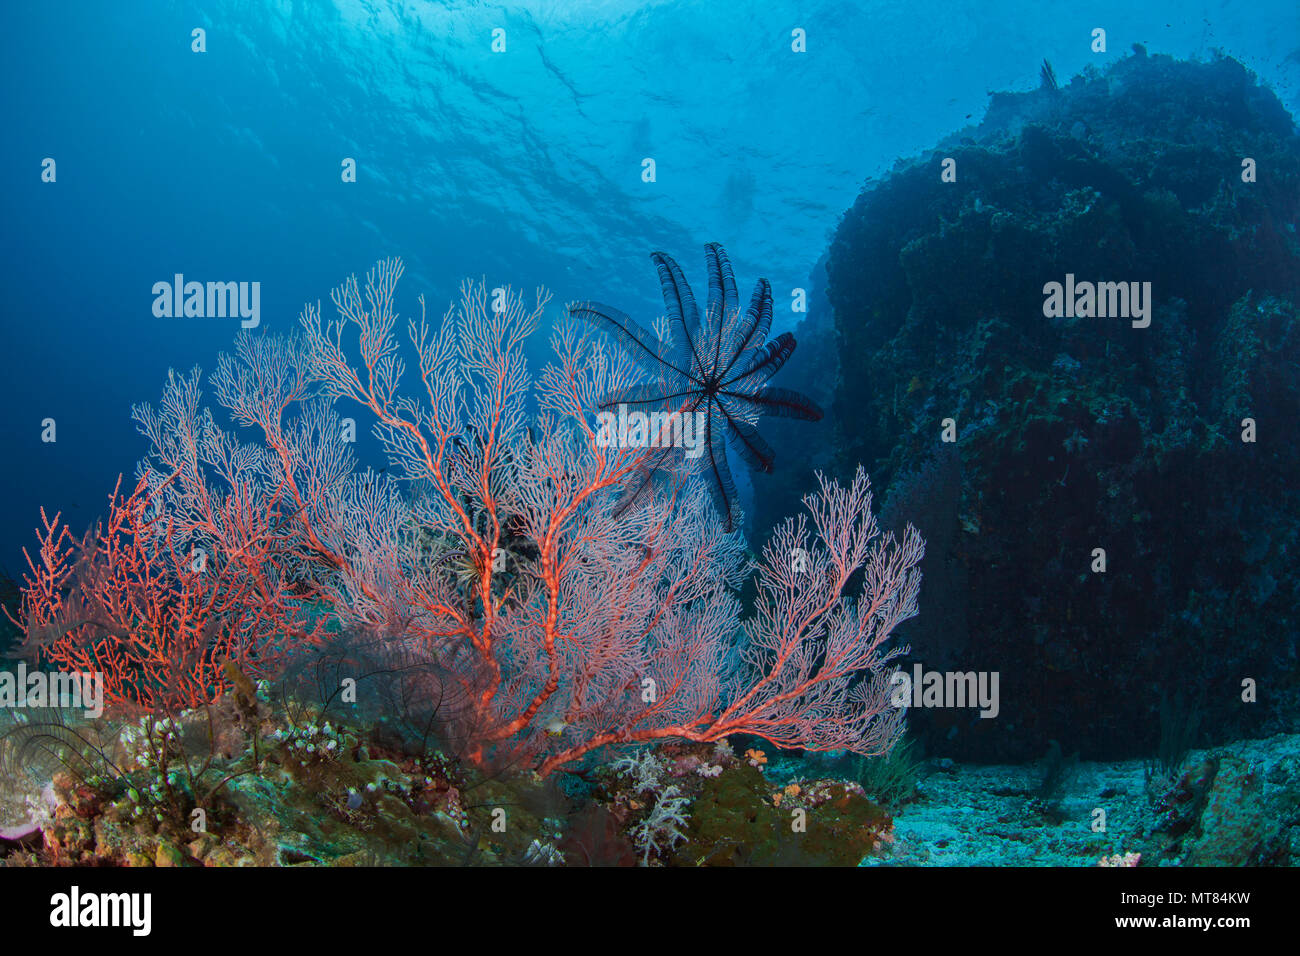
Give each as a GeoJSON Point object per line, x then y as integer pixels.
{"type": "Point", "coordinates": [158, 624]}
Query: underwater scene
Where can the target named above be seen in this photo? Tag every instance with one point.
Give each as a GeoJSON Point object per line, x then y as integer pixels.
{"type": "Point", "coordinates": [654, 434]}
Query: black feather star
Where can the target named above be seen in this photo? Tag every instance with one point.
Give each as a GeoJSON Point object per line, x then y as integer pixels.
{"type": "Point", "coordinates": [719, 366]}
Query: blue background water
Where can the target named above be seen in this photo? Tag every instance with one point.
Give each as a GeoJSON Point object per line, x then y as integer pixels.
{"type": "Point", "coordinates": [523, 166]}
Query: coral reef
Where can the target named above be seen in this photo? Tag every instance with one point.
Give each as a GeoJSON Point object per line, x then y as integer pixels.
{"type": "Point", "coordinates": [275, 781]}
{"type": "Point", "coordinates": [696, 805]}
{"type": "Point", "coordinates": [287, 780]}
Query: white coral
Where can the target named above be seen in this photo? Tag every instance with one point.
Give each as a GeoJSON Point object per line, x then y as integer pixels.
{"type": "Point", "coordinates": [543, 854]}
{"type": "Point", "coordinates": [644, 768]}
{"type": "Point", "coordinates": [661, 830]}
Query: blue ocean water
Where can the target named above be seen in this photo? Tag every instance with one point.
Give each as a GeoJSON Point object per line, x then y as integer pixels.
{"type": "Point", "coordinates": [524, 165]}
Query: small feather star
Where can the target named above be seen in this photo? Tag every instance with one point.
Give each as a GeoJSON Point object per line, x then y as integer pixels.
{"type": "Point", "coordinates": [719, 366]}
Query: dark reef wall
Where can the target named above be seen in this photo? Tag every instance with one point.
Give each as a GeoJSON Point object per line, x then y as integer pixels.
{"type": "Point", "coordinates": [1077, 434]}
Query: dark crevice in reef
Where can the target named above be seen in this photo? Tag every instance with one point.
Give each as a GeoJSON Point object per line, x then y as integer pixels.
{"type": "Point", "coordinates": [1079, 433]}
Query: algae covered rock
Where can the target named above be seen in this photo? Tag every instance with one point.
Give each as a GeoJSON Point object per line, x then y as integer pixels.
{"type": "Point", "coordinates": [740, 819]}
{"type": "Point", "coordinates": [1241, 824]}
{"type": "Point", "coordinates": [1168, 444]}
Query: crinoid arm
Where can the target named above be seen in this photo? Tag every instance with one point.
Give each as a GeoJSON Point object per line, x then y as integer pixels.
{"type": "Point", "coordinates": [642, 346]}
{"type": "Point", "coordinates": [683, 313]}
{"type": "Point", "coordinates": [784, 403]}
{"type": "Point", "coordinates": [756, 452]}
{"type": "Point", "coordinates": [764, 362]}
{"type": "Point", "coordinates": [753, 330]}
{"type": "Point", "coordinates": [722, 284]}
{"type": "Point", "coordinates": [717, 473]}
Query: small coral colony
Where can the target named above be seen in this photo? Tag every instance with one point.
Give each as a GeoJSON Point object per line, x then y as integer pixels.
{"type": "Point", "coordinates": [537, 635]}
